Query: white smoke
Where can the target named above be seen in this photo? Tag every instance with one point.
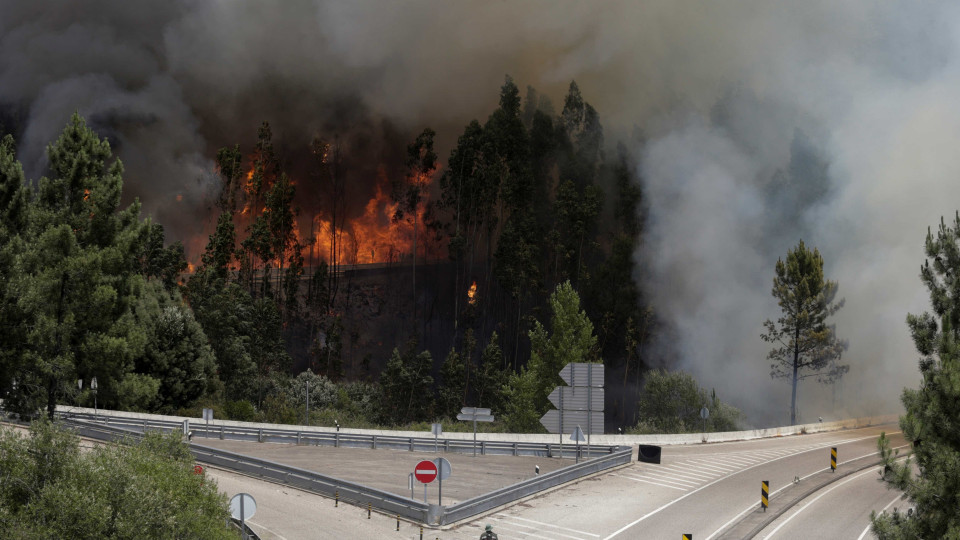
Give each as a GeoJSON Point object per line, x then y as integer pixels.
{"type": "Point", "coordinates": [726, 93]}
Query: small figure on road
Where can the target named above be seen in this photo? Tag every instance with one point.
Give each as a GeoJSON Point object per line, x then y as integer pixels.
{"type": "Point", "coordinates": [489, 534]}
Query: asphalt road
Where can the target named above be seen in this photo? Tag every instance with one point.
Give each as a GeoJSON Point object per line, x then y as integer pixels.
{"type": "Point", "coordinates": [710, 491]}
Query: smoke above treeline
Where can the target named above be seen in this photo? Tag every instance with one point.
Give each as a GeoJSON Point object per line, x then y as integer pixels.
{"type": "Point", "coordinates": [762, 123]}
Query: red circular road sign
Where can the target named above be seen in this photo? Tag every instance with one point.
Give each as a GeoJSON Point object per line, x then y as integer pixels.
{"type": "Point", "coordinates": [425, 472]}
{"type": "Point", "coordinates": [197, 469]}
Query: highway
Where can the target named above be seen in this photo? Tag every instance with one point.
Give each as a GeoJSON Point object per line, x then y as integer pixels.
{"type": "Point", "coordinates": [711, 491]}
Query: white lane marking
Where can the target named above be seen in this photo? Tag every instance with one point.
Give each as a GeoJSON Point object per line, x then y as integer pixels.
{"type": "Point", "coordinates": [669, 478]}
{"type": "Point", "coordinates": [271, 531]}
{"type": "Point", "coordinates": [700, 477]}
{"type": "Point", "coordinates": [865, 531]}
{"type": "Point", "coordinates": [653, 483]}
{"type": "Point", "coordinates": [815, 499]}
{"type": "Point", "coordinates": [535, 528]}
{"type": "Point", "coordinates": [738, 460]}
{"type": "Point", "coordinates": [802, 478]}
{"type": "Point", "coordinates": [717, 468]}
{"type": "Point", "coordinates": [682, 497]}
{"type": "Point", "coordinates": [542, 524]}
{"type": "Point", "coordinates": [518, 533]}
{"type": "Point", "coordinates": [648, 482]}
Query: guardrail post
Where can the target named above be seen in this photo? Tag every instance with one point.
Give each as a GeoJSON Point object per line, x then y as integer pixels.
{"type": "Point", "coordinates": [260, 435]}
{"type": "Point", "coordinates": [375, 445]}
{"type": "Point", "coordinates": [221, 433]}
{"type": "Point", "coordinates": [298, 438]}
{"type": "Point", "coordinates": [446, 445]}
{"type": "Point", "coordinates": [336, 440]}
{"type": "Point", "coordinates": [411, 444]}
{"type": "Point", "coordinates": [483, 448]}
{"type": "Point", "coordinates": [515, 449]}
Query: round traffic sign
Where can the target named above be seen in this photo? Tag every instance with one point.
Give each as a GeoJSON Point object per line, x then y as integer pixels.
{"type": "Point", "coordinates": [425, 472]}
{"type": "Point", "coordinates": [443, 468]}
{"type": "Point", "coordinates": [243, 506]}
{"type": "Point", "coordinates": [197, 469]}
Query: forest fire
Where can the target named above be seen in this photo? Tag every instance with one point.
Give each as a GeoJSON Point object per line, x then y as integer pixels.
{"type": "Point", "coordinates": [472, 294]}
{"type": "Point", "coordinates": [379, 234]}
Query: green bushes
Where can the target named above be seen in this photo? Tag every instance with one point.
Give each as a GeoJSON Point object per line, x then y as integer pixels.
{"type": "Point", "coordinates": [49, 489]}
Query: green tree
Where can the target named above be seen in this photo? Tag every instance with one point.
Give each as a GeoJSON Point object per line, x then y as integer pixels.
{"type": "Point", "coordinates": [407, 385]}
{"type": "Point", "coordinates": [73, 273]}
{"type": "Point", "coordinates": [49, 489]}
{"type": "Point", "coordinates": [177, 353]}
{"type": "Point", "coordinates": [570, 339]}
{"type": "Point", "coordinates": [670, 402]}
{"type": "Point", "coordinates": [492, 377]}
{"type": "Point", "coordinates": [805, 345]}
{"type": "Point", "coordinates": [454, 383]}
{"type": "Point", "coordinates": [931, 423]}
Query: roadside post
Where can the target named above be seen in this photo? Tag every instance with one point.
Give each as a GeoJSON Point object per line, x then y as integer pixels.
{"type": "Point", "coordinates": [208, 416]}
{"type": "Point", "coordinates": [437, 429]}
{"type": "Point", "coordinates": [578, 436]}
{"type": "Point", "coordinates": [475, 414]}
{"type": "Point", "coordinates": [764, 494]}
{"type": "Point", "coordinates": [243, 506]}
{"type": "Point", "coordinates": [833, 459]}
{"type": "Point", "coordinates": [704, 414]}
{"type": "Point", "coordinates": [443, 472]}
{"type": "Point", "coordinates": [410, 484]}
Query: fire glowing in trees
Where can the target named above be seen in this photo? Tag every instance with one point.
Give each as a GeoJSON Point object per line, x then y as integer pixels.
{"type": "Point", "coordinates": [472, 294]}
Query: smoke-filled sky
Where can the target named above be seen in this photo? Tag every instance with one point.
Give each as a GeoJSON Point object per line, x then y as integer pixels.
{"type": "Point", "coordinates": [725, 93]}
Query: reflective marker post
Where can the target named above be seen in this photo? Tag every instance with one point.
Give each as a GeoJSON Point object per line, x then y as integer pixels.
{"type": "Point", "coordinates": [833, 459]}
{"type": "Point", "coordinates": [764, 494]}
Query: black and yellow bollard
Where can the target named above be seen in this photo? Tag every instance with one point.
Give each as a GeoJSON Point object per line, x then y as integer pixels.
{"type": "Point", "coordinates": [398, 522]}
{"type": "Point", "coordinates": [764, 494]}
{"type": "Point", "coordinates": [369, 507]}
{"type": "Point", "coordinates": [421, 532]}
{"type": "Point", "coordinates": [687, 536]}
{"type": "Point", "coordinates": [336, 498]}
{"type": "Point", "coordinates": [833, 459]}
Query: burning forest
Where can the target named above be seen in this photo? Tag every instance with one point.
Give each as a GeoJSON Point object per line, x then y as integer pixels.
{"type": "Point", "coordinates": [357, 194]}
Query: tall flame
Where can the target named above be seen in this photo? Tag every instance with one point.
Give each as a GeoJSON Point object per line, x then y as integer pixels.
{"type": "Point", "coordinates": [472, 294]}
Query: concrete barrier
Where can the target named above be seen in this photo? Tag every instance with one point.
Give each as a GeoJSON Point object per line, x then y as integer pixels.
{"type": "Point", "coordinates": [604, 440]}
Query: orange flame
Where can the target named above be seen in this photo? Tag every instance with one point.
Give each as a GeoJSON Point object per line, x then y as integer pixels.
{"type": "Point", "coordinates": [472, 294]}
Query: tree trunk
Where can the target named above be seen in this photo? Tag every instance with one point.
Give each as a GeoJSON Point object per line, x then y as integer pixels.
{"type": "Point", "coordinates": [796, 366]}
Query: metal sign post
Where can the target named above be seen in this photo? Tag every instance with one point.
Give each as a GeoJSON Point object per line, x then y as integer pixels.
{"type": "Point", "coordinates": [578, 436]}
{"type": "Point", "coordinates": [443, 472]}
{"type": "Point", "coordinates": [437, 429]}
{"type": "Point", "coordinates": [475, 415]}
{"type": "Point", "coordinates": [243, 506]}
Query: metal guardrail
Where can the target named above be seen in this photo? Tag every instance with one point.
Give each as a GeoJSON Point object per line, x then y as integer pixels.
{"type": "Point", "coordinates": [488, 501]}
{"type": "Point", "coordinates": [384, 501]}
{"type": "Point", "coordinates": [350, 440]}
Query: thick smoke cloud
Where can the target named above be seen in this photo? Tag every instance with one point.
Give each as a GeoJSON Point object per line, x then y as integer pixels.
{"type": "Point", "coordinates": [853, 104]}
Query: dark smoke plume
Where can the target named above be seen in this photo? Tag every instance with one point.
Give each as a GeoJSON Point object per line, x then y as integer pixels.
{"type": "Point", "coordinates": [765, 122]}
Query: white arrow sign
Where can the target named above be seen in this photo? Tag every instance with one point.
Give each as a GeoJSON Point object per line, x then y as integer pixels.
{"type": "Point", "coordinates": [575, 398]}
{"type": "Point", "coordinates": [572, 419]}
{"type": "Point", "coordinates": [581, 374]}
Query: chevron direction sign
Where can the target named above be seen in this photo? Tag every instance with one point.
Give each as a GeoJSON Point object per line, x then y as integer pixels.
{"type": "Point", "coordinates": [580, 404]}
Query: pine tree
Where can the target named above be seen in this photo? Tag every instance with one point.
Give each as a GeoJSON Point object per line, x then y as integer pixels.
{"type": "Point", "coordinates": [931, 423]}
{"type": "Point", "coordinates": [806, 346]}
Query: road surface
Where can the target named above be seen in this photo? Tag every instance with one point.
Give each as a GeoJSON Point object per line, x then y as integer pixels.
{"type": "Point", "coordinates": [705, 490]}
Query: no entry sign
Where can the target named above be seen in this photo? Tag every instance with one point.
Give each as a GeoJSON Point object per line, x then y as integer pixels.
{"type": "Point", "coordinates": [425, 472]}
